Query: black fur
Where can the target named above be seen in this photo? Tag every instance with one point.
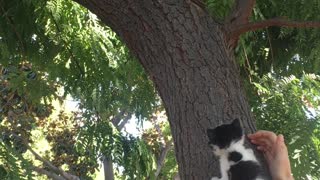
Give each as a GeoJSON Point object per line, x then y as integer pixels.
{"type": "Point", "coordinates": [245, 170]}
{"type": "Point", "coordinates": [223, 135]}
{"type": "Point", "coordinates": [235, 156]}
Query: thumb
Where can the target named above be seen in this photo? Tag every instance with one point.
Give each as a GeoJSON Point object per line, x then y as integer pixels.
{"type": "Point", "coordinates": [281, 146]}
{"type": "Point", "coordinates": [280, 138]}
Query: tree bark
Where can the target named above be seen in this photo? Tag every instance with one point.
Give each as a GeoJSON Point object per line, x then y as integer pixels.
{"type": "Point", "coordinates": [185, 53]}
{"type": "Point", "coordinates": [108, 168]}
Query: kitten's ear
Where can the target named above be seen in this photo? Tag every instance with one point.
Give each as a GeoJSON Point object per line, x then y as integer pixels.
{"type": "Point", "coordinates": [236, 122]}
{"type": "Point", "coordinates": [211, 133]}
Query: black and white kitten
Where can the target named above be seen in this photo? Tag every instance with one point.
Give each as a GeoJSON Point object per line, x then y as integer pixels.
{"type": "Point", "coordinates": [236, 161]}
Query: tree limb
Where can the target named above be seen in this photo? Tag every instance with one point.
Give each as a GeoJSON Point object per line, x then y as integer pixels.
{"type": "Point", "coordinates": [108, 10]}
{"type": "Point", "coordinates": [199, 3]}
{"type": "Point", "coordinates": [117, 118]}
{"type": "Point", "coordinates": [55, 169]}
{"type": "Point", "coordinates": [108, 168]}
{"type": "Point", "coordinates": [241, 12]}
{"type": "Point", "coordinates": [281, 22]}
{"type": "Point", "coordinates": [158, 129]}
{"type": "Point", "coordinates": [51, 175]}
{"type": "Point", "coordinates": [162, 157]}
{"type": "Point", "coordinates": [47, 163]}
{"type": "Point", "coordinates": [164, 146]}
{"type": "Point", "coordinates": [123, 122]}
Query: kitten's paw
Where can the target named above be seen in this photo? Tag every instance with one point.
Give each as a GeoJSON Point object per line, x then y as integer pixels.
{"type": "Point", "coordinates": [215, 178]}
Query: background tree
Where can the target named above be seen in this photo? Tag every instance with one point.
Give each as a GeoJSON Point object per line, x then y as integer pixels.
{"type": "Point", "coordinates": [40, 41]}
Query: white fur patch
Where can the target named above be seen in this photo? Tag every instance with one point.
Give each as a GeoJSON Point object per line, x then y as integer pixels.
{"type": "Point", "coordinates": [247, 154]}
{"type": "Point", "coordinates": [223, 154]}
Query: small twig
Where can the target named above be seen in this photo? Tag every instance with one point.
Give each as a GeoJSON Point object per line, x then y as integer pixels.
{"type": "Point", "coordinates": [271, 49]}
{"type": "Point", "coordinates": [248, 63]}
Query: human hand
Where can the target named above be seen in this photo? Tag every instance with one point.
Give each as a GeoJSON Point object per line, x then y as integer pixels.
{"type": "Point", "coordinates": [275, 152]}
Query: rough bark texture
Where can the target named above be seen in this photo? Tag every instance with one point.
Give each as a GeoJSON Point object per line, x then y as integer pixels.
{"type": "Point", "coordinates": [185, 53]}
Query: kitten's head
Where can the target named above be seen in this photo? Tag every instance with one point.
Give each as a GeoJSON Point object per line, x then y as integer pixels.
{"type": "Point", "coordinates": [222, 136]}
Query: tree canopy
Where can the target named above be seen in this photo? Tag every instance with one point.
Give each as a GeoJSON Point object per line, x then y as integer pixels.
{"type": "Point", "coordinates": [51, 48]}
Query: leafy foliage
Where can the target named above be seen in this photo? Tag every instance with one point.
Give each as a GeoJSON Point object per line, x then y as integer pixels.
{"type": "Point", "coordinates": [290, 106]}
{"type": "Point", "coordinates": [156, 140]}
{"type": "Point", "coordinates": [285, 51]}
{"type": "Point", "coordinates": [20, 112]}
{"type": "Point", "coordinates": [136, 154]}
{"type": "Point", "coordinates": [41, 53]}
{"type": "Point", "coordinates": [14, 166]}
{"type": "Point", "coordinates": [219, 9]}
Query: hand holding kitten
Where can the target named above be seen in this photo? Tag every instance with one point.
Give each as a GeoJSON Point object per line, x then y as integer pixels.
{"type": "Point", "coordinates": [275, 152]}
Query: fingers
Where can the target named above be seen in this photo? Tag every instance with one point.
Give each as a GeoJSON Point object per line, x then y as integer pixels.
{"type": "Point", "coordinates": [264, 144]}
{"type": "Point", "coordinates": [266, 139]}
{"type": "Point", "coordinates": [280, 138]}
{"type": "Point", "coordinates": [262, 134]}
{"type": "Point", "coordinates": [280, 144]}
{"type": "Point", "coordinates": [261, 148]}
{"type": "Point", "coordinates": [267, 154]}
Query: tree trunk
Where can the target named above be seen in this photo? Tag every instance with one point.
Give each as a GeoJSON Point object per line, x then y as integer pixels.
{"type": "Point", "coordinates": [108, 169]}
{"type": "Point", "coordinates": [119, 122]}
{"type": "Point", "coordinates": [185, 53]}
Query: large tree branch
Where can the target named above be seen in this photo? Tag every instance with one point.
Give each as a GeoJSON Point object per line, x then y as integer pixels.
{"type": "Point", "coordinates": [199, 3]}
{"type": "Point", "coordinates": [108, 168]}
{"type": "Point", "coordinates": [241, 12]}
{"type": "Point", "coordinates": [117, 118]}
{"type": "Point", "coordinates": [162, 157]}
{"type": "Point", "coordinates": [281, 22]}
{"type": "Point", "coordinates": [47, 163]}
{"type": "Point", "coordinates": [51, 175]}
{"type": "Point", "coordinates": [108, 10]}
{"type": "Point", "coordinates": [123, 122]}
{"type": "Point", "coordinates": [165, 146]}
{"type": "Point", "coordinates": [53, 168]}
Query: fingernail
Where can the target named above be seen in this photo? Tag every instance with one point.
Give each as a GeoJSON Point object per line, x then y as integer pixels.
{"type": "Point", "coordinates": [281, 137]}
